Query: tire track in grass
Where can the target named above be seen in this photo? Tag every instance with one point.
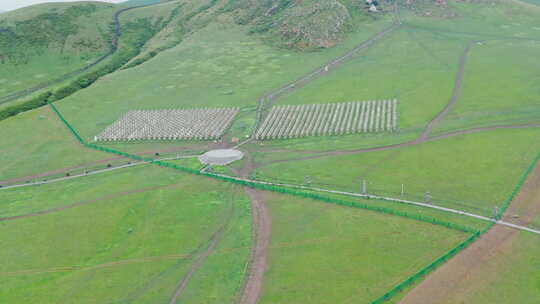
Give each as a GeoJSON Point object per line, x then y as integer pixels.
{"type": "Point", "coordinates": [201, 257]}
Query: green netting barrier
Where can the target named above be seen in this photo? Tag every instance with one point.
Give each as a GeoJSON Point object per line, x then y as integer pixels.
{"type": "Point", "coordinates": [73, 131]}
{"type": "Point", "coordinates": [280, 189]}
{"type": "Point", "coordinates": [438, 262]}
{"type": "Point", "coordinates": [518, 187]}
{"type": "Point", "coordinates": [268, 187]}
{"type": "Point", "coordinates": [431, 267]}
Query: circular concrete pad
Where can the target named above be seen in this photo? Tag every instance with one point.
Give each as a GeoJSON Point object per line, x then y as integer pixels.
{"type": "Point", "coordinates": [221, 157]}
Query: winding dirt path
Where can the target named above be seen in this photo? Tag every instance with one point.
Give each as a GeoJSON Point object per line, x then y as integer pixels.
{"type": "Point", "coordinates": [451, 278]}
{"type": "Point", "coordinates": [262, 223]}
{"type": "Point", "coordinates": [456, 93]}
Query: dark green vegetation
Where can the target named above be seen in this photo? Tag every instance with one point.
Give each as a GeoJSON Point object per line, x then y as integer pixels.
{"type": "Point", "coordinates": [134, 235]}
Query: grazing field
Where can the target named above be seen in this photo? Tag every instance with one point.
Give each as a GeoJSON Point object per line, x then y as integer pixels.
{"type": "Point", "coordinates": [201, 124]}
{"type": "Point", "coordinates": [329, 119]}
{"type": "Point", "coordinates": [329, 254]}
{"type": "Point", "coordinates": [474, 172]}
{"type": "Point", "coordinates": [274, 80]}
{"type": "Point", "coordinates": [135, 244]}
{"type": "Point", "coordinates": [35, 142]}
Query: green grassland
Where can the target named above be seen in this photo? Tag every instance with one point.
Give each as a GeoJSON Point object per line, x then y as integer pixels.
{"type": "Point", "coordinates": [322, 253]}
{"type": "Point", "coordinates": [510, 277]}
{"type": "Point", "coordinates": [478, 171]}
{"type": "Point", "coordinates": [135, 233]}
{"type": "Point", "coordinates": [37, 141]}
{"type": "Point", "coordinates": [133, 246]}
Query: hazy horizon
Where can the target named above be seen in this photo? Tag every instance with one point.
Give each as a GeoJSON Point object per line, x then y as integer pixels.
{"type": "Point", "coordinates": [9, 5]}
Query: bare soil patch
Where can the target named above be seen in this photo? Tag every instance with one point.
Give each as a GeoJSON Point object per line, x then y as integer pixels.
{"type": "Point", "coordinates": [452, 276]}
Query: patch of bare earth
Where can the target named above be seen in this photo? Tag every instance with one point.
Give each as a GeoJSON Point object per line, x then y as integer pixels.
{"type": "Point", "coordinates": [262, 224]}
{"type": "Point", "coordinates": [453, 277]}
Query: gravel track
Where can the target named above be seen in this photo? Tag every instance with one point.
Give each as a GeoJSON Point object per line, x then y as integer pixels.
{"type": "Point", "coordinates": [97, 162]}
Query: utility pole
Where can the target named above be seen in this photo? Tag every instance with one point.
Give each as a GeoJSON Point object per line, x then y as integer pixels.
{"type": "Point", "coordinates": [364, 186]}
{"type": "Point", "coordinates": [402, 189]}
{"type": "Point", "coordinates": [428, 197]}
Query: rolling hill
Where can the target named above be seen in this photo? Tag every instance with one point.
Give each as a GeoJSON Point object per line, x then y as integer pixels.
{"type": "Point", "coordinates": [402, 144]}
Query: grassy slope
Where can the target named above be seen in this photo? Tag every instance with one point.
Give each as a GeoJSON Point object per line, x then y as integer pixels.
{"type": "Point", "coordinates": [517, 279]}
{"type": "Point", "coordinates": [36, 141]}
{"type": "Point", "coordinates": [218, 66]}
{"type": "Point", "coordinates": [167, 223]}
{"type": "Point", "coordinates": [479, 170]}
{"type": "Point", "coordinates": [40, 63]}
{"type": "Point", "coordinates": [322, 253]}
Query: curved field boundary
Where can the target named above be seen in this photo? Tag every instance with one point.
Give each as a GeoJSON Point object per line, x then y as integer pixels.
{"type": "Point", "coordinates": [112, 50]}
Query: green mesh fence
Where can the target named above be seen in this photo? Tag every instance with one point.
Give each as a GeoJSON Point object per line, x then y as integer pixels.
{"type": "Point", "coordinates": [518, 187]}
{"type": "Point", "coordinates": [280, 189]}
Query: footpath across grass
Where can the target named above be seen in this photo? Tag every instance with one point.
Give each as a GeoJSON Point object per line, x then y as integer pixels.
{"type": "Point", "coordinates": [321, 253]}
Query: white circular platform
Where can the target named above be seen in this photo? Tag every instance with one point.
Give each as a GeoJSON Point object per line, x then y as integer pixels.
{"type": "Point", "coordinates": [221, 157]}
